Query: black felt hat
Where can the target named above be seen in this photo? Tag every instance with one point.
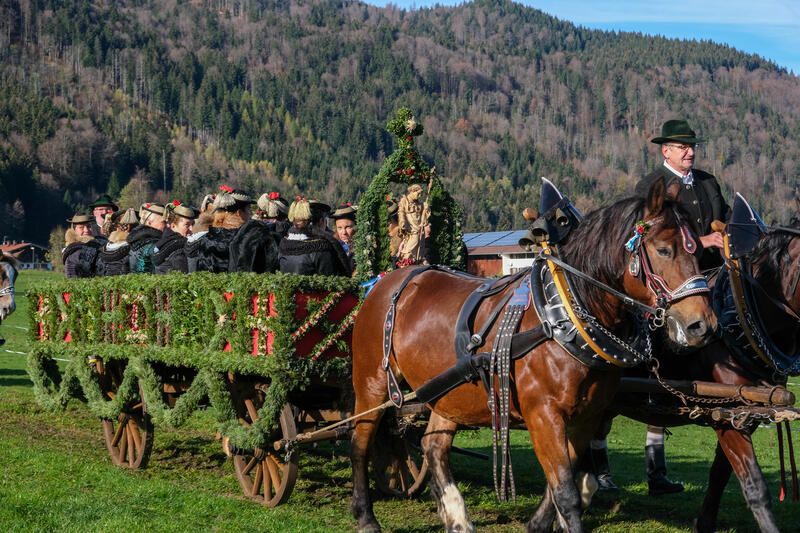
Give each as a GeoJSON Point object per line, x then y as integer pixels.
{"type": "Point", "coordinates": [676, 131]}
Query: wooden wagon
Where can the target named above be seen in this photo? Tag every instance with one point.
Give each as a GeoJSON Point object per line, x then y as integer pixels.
{"type": "Point", "coordinates": [270, 353]}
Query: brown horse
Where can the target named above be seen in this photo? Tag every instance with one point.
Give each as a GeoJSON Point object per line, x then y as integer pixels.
{"type": "Point", "coordinates": [555, 396]}
{"type": "Point", "coordinates": [776, 267]}
{"type": "Point", "coordinates": [8, 274]}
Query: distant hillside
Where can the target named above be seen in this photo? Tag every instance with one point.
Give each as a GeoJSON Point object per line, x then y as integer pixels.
{"type": "Point", "coordinates": [135, 98]}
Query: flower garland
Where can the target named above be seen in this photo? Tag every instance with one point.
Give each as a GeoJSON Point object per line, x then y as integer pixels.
{"type": "Point", "coordinates": [405, 166]}
{"type": "Point", "coordinates": [312, 321]}
{"type": "Point", "coordinates": [96, 315]}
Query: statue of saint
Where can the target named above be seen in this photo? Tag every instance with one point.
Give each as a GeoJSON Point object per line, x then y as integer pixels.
{"type": "Point", "coordinates": [413, 216]}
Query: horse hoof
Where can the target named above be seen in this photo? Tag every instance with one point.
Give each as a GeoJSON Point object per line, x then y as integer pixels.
{"type": "Point", "coordinates": [703, 526]}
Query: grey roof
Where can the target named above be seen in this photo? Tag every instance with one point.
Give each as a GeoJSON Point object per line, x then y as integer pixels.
{"type": "Point", "coordinates": [493, 238]}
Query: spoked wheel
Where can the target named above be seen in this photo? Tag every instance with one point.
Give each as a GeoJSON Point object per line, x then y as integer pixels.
{"type": "Point", "coordinates": [129, 438]}
{"type": "Point", "coordinates": [399, 466]}
{"type": "Point", "coordinates": [266, 476]}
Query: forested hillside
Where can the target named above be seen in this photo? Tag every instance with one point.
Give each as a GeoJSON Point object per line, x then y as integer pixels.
{"type": "Point", "coordinates": [169, 99]}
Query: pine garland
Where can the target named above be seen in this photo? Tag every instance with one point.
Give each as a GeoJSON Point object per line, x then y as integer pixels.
{"type": "Point", "coordinates": [405, 166]}
{"type": "Point", "coordinates": [186, 321]}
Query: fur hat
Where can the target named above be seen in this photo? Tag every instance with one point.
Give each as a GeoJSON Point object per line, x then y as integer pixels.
{"type": "Point", "coordinates": [300, 210]}
{"type": "Point", "coordinates": [208, 200]}
{"type": "Point", "coordinates": [273, 205]}
{"type": "Point", "coordinates": [129, 217]}
{"type": "Point", "coordinates": [345, 211]}
{"type": "Point", "coordinates": [230, 199]}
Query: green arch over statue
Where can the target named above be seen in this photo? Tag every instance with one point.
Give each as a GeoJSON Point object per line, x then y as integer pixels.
{"type": "Point", "coordinates": [406, 166]}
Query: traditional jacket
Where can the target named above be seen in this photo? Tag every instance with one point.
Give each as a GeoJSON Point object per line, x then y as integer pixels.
{"type": "Point", "coordinates": [233, 245]}
{"type": "Point", "coordinates": [142, 240]}
{"type": "Point", "coordinates": [170, 253]}
{"type": "Point", "coordinates": [79, 255]}
{"type": "Point", "coordinates": [702, 200]}
{"type": "Point", "coordinates": [313, 252]}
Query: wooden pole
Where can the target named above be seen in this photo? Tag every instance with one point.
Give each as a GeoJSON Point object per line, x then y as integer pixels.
{"type": "Point", "coordinates": [766, 395]}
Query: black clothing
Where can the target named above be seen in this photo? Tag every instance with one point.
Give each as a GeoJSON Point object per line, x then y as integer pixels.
{"type": "Point", "coordinates": [249, 248]}
{"type": "Point", "coordinates": [142, 239]}
{"type": "Point", "coordinates": [210, 252]}
{"type": "Point", "coordinates": [253, 249]}
{"type": "Point", "coordinates": [113, 260]}
{"type": "Point", "coordinates": [313, 252]}
{"type": "Point", "coordinates": [80, 259]}
{"type": "Point", "coordinates": [171, 254]}
{"type": "Point", "coordinates": [703, 201]}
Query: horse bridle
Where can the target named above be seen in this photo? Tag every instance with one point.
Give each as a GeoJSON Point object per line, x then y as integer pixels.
{"type": "Point", "coordinates": [640, 267]}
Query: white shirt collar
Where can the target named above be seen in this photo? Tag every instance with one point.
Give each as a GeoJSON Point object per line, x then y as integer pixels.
{"type": "Point", "coordinates": [687, 179]}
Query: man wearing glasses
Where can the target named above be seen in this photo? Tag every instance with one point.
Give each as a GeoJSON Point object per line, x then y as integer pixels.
{"type": "Point", "coordinates": [700, 195]}
{"type": "Point", "coordinates": [697, 191]}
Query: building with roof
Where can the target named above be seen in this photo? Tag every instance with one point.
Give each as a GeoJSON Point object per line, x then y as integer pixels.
{"type": "Point", "coordinates": [496, 253]}
{"type": "Point", "coordinates": [29, 255]}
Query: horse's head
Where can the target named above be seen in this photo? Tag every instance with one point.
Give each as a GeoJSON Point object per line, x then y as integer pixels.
{"type": "Point", "coordinates": [663, 271]}
{"type": "Point", "coordinates": [8, 274]}
{"type": "Point", "coordinates": [642, 248]}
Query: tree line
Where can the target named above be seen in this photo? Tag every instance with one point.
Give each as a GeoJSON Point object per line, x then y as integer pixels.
{"type": "Point", "coordinates": [170, 99]}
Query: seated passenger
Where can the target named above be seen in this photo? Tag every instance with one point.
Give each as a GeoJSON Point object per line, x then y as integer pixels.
{"type": "Point", "coordinates": [143, 238]}
{"type": "Point", "coordinates": [234, 243]}
{"type": "Point", "coordinates": [345, 220]}
{"type": "Point", "coordinates": [273, 210]}
{"type": "Point", "coordinates": [80, 251]}
{"type": "Point", "coordinates": [170, 250]}
{"type": "Point", "coordinates": [309, 248]}
{"type": "Point", "coordinates": [113, 259]}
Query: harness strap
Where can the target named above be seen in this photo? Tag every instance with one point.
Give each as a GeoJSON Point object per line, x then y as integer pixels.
{"type": "Point", "coordinates": [627, 300]}
{"type": "Point", "coordinates": [465, 341]}
{"type": "Point", "coordinates": [395, 393]}
{"type": "Point", "coordinates": [780, 305]}
{"type": "Point", "coordinates": [796, 278]}
{"type": "Point", "coordinates": [500, 391]}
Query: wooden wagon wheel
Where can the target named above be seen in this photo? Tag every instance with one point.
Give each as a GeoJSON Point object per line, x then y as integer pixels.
{"type": "Point", "coordinates": [399, 466]}
{"type": "Point", "coordinates": [129, 438]}
{"type": "Point", "coordinates": [266, 476]}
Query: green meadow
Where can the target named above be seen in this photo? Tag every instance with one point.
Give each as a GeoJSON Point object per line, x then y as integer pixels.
{"type": "Point", "coordinates": [57, 475]}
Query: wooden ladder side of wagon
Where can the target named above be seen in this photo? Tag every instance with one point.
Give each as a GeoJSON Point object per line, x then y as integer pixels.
{"type": "Point", "coordinates": [164, 350]}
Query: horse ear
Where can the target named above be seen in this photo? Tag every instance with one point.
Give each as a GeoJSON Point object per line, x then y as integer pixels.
{"type": "Point", "coordinates": [655, 198]}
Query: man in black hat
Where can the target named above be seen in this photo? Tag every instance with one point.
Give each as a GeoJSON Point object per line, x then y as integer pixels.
{"type": "Point", "coordinates": [697, 191]}
{"type": "Point", "coordinates": [699, 194]}
{"type": "Point", "coordinates": [100, 208]}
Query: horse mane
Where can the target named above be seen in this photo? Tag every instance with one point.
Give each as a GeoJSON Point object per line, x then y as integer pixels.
{"type": "Point", "coordinates": [10, 259]}
{"type": "Point", "coordinates": [770, 251]}
{"type": "Point", "coordinates": [597, 247]}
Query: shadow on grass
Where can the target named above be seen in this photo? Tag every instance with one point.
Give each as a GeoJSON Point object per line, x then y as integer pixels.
{"type": "Point", "coordinates": [15, 382]}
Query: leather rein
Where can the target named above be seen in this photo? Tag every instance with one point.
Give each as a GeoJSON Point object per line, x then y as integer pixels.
{"type": "Point", "coordinates": [640, 267]}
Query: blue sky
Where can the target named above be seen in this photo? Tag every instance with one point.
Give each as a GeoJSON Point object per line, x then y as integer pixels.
{"type": "Point", "coordinates": [769, 28]}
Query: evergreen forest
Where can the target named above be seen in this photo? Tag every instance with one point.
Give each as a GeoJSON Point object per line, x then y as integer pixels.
{"type": "Point", "coordinates": [155, 100]}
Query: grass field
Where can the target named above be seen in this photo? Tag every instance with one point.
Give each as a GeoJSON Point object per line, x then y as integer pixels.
{"type": "Point", "coordinates": [57, 476]}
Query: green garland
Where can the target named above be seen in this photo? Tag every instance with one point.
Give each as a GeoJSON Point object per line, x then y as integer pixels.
{"type": "Point", "coordinates": [405, 166]}
{"type": "Point", "coordinates": [186, 321]}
